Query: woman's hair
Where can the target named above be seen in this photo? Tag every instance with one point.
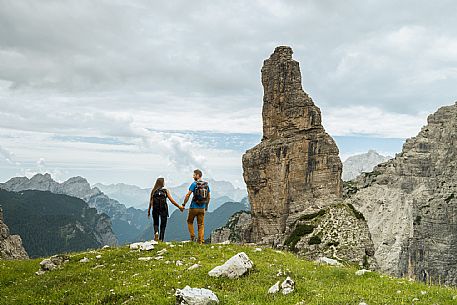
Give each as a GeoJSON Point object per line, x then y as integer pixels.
{"type": "Point", "coordinates": [160, 182]}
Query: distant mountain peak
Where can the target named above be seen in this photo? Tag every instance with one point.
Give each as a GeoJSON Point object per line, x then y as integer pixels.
{"type": "Point", "coordinates": [357, 164]}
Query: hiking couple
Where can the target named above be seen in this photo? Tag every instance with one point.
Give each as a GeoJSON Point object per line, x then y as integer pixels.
{"type": "Point", "coordinates": [200, 199]}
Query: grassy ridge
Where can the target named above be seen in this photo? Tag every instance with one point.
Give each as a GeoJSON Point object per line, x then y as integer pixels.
{"type": "Point", "coordinates": [124, 279]}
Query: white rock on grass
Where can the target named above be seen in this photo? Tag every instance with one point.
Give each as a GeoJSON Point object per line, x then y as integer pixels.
{"type": "Point", "coordinates": [328, 261]}
{"type": "Point", "coordinates": [287, 286]}
{"type": "Point", "coordinates": [105, 247]}
{"type": "Point", "coordinates": [179, 263]}
{"type": "Point", "coordinates": [144, 246]}
{"type": "Point", "coordinates": [235, 267]}
{"type": "Point", "coordinates": [146, 258]}
{"type": "Point", "coordinates": [362, 272]}
{"type": "Point", "coordinates": [40, 272]}
{"type": "Point", "coordinates": [135, 246]}
{"type": "Point", "coordinates": [54, 262]}
{"type": "Point", "coordinates": [227, 242]}
{"type": "Point", "coordinates": [98, 256]}
{"type": "Point", "coordinates": [258, 250]}
{"type": "Point", "coordinates": [274, 288]}
{"type": "Point", "coordinates": [84, 260]}
{"type": "Point", "coordinates": [47, 264]}
{"type": "Point", "coordinates": [195, 296]}
{"type": "Point", "coordinates": [194, 266]}
{"type": "Point", "coordinates": [161, 252]}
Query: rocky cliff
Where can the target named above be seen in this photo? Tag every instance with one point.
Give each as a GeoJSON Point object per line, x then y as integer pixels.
{"type": "Point", "coordinates": [410, 203]}
{"type": "Point", "coordinates": [296, 162]}
{"type": "Point", "coordinates": [236, 230]}
{"type": "Point", "coordinates": [10, 245]}
{"type": "Point", "coordinates": [361, 163]}
{"type": "Point", "coordinates": [295, 173]}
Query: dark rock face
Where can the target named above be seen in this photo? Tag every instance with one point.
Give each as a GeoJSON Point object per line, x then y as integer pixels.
{"type": "Point", "coordinates": [10, 245]}
{"type": "Point", "coordinates": [410, 203]}
{"type": "Point", "coordinates": [296, 162]}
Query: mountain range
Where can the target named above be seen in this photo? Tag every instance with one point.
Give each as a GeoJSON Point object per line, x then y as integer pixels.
{"type": "Point", "coordinates": [51, 223]}
{"type": "Point", "coordinates": [134, 196]}
{"type": "Point", "coordinates": [128, 224]}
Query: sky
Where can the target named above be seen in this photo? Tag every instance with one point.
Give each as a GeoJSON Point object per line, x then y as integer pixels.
{"type": "Point", "coordinates": [126, 91]}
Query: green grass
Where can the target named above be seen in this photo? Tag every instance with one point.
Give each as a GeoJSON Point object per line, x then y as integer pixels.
{"type": "Point", "coordinates": [126, 280]}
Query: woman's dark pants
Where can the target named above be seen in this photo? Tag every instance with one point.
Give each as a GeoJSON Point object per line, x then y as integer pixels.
{"type": "Point", "coordinates": [163, 224]}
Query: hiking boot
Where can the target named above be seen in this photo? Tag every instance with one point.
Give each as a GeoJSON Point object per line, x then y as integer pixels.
{"type": "Point", "coordinates": [156, 236]}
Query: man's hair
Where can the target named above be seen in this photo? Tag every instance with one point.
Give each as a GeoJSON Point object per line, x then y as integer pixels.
{"type": "Point", "coordinates": [198, 172]}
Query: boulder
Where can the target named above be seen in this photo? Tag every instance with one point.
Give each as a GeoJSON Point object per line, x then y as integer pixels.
{"type": "Point", "coordinates": [195, 296]}
{"type": "Point", "coordinates": [143, 246]}
{"type": "Point", "coordinates": [54, 262]}
{"type": "Point", "coordinates": [287, 286]}
{"type": "Point", "coordinates": [194, 266]}
{"type": "Point", "coordinates": [274, 289]}
{"type": "Point", "coordinates": [235, 267]}
{"type": "Point", "coordinates": [328, 261]}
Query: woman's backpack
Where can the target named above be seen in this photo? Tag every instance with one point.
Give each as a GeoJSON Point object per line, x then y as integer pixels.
{"type": "Point", "coordinates": [159, 202]}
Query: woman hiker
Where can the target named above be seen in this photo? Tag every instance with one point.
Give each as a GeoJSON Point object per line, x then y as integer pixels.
{"type": "Point", "coordinates": [158, 203]}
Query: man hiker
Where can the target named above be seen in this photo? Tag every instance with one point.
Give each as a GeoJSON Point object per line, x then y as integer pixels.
{"type": "Point", "coordinates": [199, 205]}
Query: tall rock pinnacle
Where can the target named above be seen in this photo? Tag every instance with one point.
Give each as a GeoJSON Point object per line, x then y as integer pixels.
{"type": "Point", "coordinates": [296, 165]}
{"type": "Point", "coordinates": [287, 109]}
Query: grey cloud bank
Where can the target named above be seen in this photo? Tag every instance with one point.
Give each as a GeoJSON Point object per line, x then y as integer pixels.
{"type": "Point", "coordinates": [129, 69]}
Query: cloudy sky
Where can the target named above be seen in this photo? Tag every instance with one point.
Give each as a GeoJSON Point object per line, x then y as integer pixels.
{"type": "Point", "coordinates": [124, 91]}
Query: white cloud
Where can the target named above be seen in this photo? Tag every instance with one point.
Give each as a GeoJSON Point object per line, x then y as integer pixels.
{"type": "Point", "coordinates": [6, 154]}
{"type": "Point", "coordinates": [372, 121]}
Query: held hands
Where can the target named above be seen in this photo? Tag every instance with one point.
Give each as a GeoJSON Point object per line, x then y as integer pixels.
{"type": "Point", "coordinates": [181, 208]}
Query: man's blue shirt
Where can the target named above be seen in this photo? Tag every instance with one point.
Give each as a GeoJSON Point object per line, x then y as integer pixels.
{"type": "Point", "coordinates": [193, 204]}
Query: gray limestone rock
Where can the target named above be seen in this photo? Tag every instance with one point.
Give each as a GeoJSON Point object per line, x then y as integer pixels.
{"type": "Point", "coordinates": [195, 296]}
{"type": "Point", "coordinates": [410, 203]}
{"type": "Point", "coordinates": [10, 245]}
{"type": "Point", "coordinates": [296, 171]}
{"type": "Point", "coordinates": [237, 230]}
{"type": "Point", "coordinates": [235, 267]}
{"type": "Point", "coordinates": [296, 162]}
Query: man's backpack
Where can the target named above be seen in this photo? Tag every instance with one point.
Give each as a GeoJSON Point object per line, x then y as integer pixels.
{"type": "Point", "coordinates": [201, 192]}
{"type": "Point", "coordinates": [159, 202]}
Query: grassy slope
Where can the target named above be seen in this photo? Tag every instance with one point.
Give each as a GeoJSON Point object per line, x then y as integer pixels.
{"type": "Point", "coordinates": [126, 280]}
